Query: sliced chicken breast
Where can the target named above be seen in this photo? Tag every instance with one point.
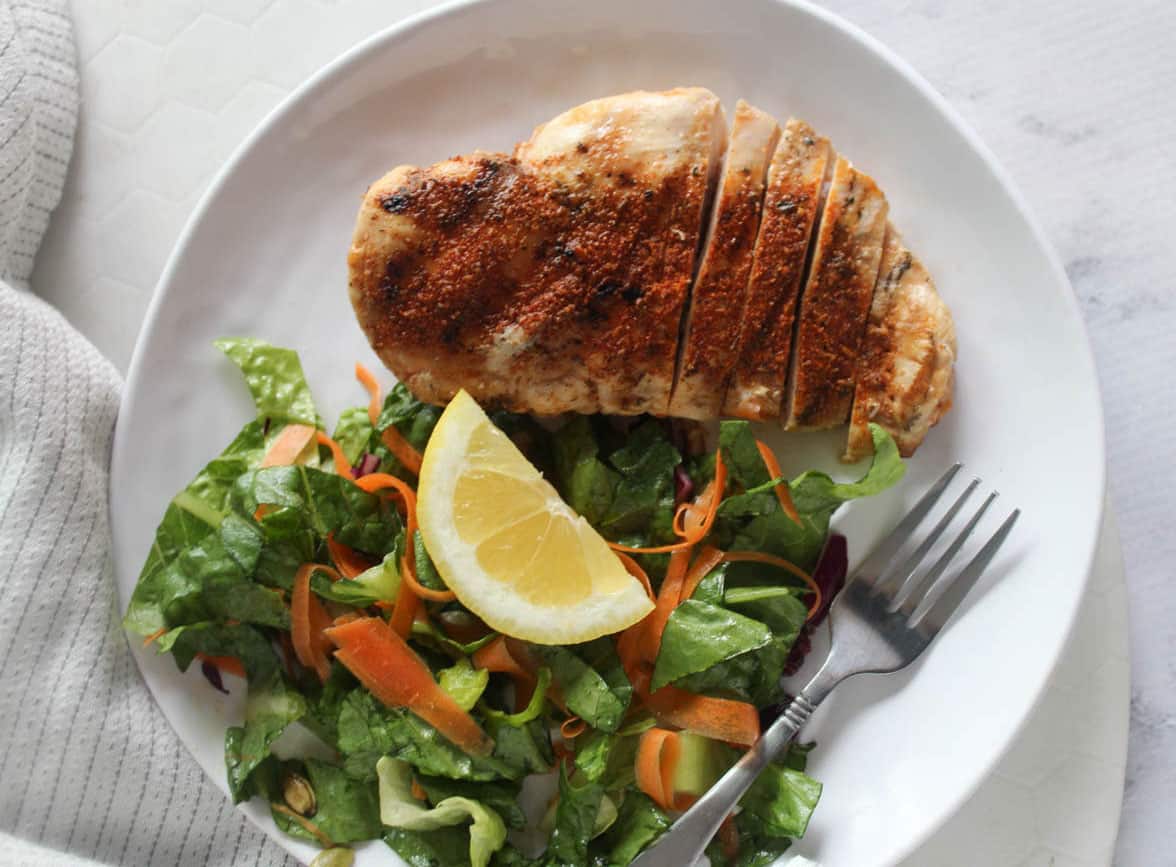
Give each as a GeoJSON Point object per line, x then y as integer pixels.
{"type": "Point", "coordinates": [904, 371]}
{"type": "Point", "coordinates": [791, 204]}
{"type": "Point", "coordinates": [711, 333]}
{"type": "Point", "coordinates": [553, 280]}
{"type": "Point", "coordinates": [836, 301]}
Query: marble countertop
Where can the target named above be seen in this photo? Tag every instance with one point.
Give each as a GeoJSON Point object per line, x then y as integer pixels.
{"type": "Point", "coordinates": [1074, 98]}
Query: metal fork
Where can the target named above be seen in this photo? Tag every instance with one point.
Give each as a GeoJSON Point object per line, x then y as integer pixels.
{"type": "Point", "coordinates": [885, 617]}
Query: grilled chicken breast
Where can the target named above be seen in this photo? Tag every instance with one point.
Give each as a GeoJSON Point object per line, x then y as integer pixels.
{"type": "Point", "coordinates": [711, 333]}
{"type": "Point", "coordinates": [629, 258]}
{"type": "Point", "coordinates": [836, 301]}
{"type": "Point", "coordinates": [791, 204]}
{"type": "Point", "coordinates": [552, 280]}
{"type": "Point", "coordinates": [905, 369]}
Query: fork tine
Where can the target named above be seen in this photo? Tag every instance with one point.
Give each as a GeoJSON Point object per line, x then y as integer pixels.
{"type": "Point", "coordinates": [925, 583]}
{"type": "Point", "coordinates": [941, 602]}
{"type": "Point", "coordinates": [900, 577]}
{"type": "Point", "coordinates": [876, 562]}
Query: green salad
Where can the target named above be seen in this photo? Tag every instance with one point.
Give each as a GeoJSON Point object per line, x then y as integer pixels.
{"type": "Point", "coordinates": [276, 564]}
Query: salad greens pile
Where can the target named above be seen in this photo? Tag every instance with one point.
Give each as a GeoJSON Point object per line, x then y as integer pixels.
{"type": "Point", "coordinates": [216, 589]}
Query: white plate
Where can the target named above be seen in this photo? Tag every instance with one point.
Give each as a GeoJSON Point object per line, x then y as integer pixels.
{"type": "Point", "coordinates": [265, 256]}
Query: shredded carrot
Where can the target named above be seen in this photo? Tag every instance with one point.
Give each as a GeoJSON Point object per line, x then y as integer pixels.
{"type": "Point", "coordinates": [721, 719]}
{"type": "Point", "coordinates": [289, 445]}
{"type": "Point", "coordinates": [155, 636]}
{"type": "Point", "coordinates": [351, 563]}
{"type": "Point", "coordinates": [404, 609]}
{"type": "Point", "coordinates": [373, 389]}
{"type": "Point", "coordinates": [667, 601]}
{"type": "Point", "coordinates": [308, 618]}
{"type": "Point", "coordinates": [510, 658]}
{"type": "Point", "coordinates": [311, 828]}
{"type": "Point", "coordinates": [342, 465]}
{"type": "Point", "coordinates": [658, 752]}
{"type": "Point", "coordinates": [402, 448]}
{"type": "Point", "coordinates": [708, 558]}
{"type": "Point", "coordinates": [692, 521]}
{"type": "Point", "coordinates": [572, 728]}
{"type": "Point", "coordinates": [634, 569]}
{"type": "Point", "coordinates": [783, 494]}
{"type": "Point", "coordinates": [788, 566]}
{"type": "Point", "coordinates": [418, 792]}
{"type": "Point", "coordinates": [227, 664]}
{"type": "Point", "coordinates": [408, 576]}
{"type": "Point", "coordinates": [390, 436]}
{"type": "Point", "coordinates": [385, 664]}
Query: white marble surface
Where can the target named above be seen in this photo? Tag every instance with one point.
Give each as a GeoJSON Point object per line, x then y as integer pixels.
{"type": "Point", "coordinates": [1075, 99]}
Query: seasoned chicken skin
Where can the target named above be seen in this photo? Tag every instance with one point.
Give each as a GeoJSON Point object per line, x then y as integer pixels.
{"type": "Point", "coordinates": [836, 301]}
{"type": "Point", "coordinates": [629, 258]}
{"type": "Point", "coordinates": [711, 334]}
{"type": "Point", "coordinates": [791, 205]}
{"type": "Point", "coordinates": [551, 281]}
{"type": "Point", "coordinates": [905, 369]}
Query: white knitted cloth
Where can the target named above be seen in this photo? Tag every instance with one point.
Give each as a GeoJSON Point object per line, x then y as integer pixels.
{"type": "Point", "coordinates": [89, 769]}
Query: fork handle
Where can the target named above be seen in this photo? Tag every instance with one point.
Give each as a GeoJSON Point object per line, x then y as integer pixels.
{"type": "Point", "coordinates": [685, 842]}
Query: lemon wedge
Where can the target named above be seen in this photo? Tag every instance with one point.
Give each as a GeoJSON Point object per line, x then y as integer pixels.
{"type": "Point", "coordinates": [513, 551]}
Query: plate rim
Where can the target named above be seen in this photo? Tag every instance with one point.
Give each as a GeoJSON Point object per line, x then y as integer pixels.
{"type": "Point", "coordinates": [385, 38]}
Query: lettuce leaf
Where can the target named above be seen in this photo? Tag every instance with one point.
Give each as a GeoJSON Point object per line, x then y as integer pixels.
{"type": "Point", "coordinates": [275, 379]}
{"type": "Point", "coordinates": [399, 809]}
{"type": "Point", "coordinates": [270, 707]}
{"type": "Point", "coordinates": [464, 683]}
{"type": "Point", "coordinates": [534, 707]}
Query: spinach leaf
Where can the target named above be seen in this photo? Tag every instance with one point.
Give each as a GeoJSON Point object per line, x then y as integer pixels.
{"type": "Point", "coordinates": [426, 571]}
{"type": "Point", "coordinates": [463, 682]}
{"type": "Point", "coordinates": [815, 493]}
{"type": "Point", "coordinates": [779, 607]}
{"type": "Point", "coordinates": [754, 851]}
{"type": "Point", "coordinates": [502, 796]}
{"type": "Point", "coordinates": [644, 496]}
{"type": "Point", "coordinates": [327, 503]}
{"type": "Point", "coordinates": [348, 810]}
{"type": "Point", "coordinates": [209, 580]}
{"type": "Point", "coordinates": [445, 847]}
{"type": "Point", "coordinates": [753, 676]}
{"type": "Point", "coordinates": [583, 480]}
{"type": "Point", "coordinates": [575, 822]}
{"type": "Point", "coordinates": [607, 758]}
{"type": "Point", "coordinates": [755, 522]}
{"type": "Point", "coordinates": [741, 454]}
{"type": "Point", "coordinates": [414, 419]}
{"type": "Point", "coordinates": [399, 809]}
{"type": "Point", "coordinates": [698, 636]}
{"type": "Point", "coordinates": [519, 750]}
{"type": "Point", "coordinates": [270, 707]}
{"type": "Point", "coordinates": [639, 823]}
{"type": "Point", "coordinates": [780, 802]}
{"type": "Point", "coordinates": [275, 379]}
{"type": "Point", "coordinates": [592, 681]}
{"type": "Point", "coordinates": [194, 514]}
{"type": "Point", "coordinates": [368, 730]}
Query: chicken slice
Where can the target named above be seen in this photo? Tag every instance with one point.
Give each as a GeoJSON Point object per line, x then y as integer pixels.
{"type": "Point", "coordinates": [549, 281]}
{"type": "Point", "coordinates": [711, 334]}
{"type": "Point", "coordinates": [836, 301]}
{"type": "Point", "coordinates": [791, 204]}
{"type": "Point", "coordinates": [904, 379]}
